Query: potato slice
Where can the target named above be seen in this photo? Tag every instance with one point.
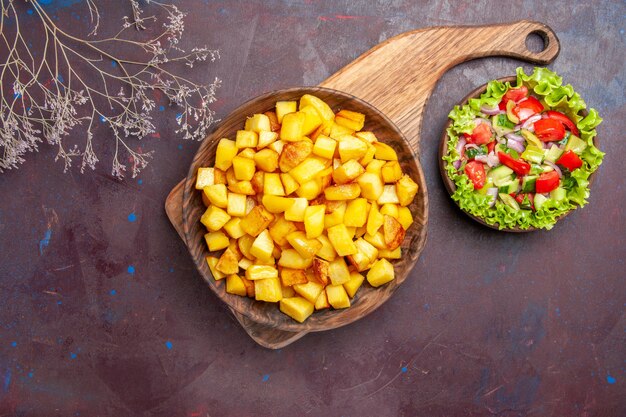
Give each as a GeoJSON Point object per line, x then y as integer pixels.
{"type": "Point", "coordinates": [214, 218]}
{"type": "Point", "coordinates": [393, 233]}
{"type": "Point", "coordinates": [311, 290]}
{"type": "Point", "coordinates": [389, 195]}
{"type": "Point", "coordinates": [314, 221]}
{"type": "Point", "coordinates": [297, 210]}
{"type": "Point", "coordinates": [266, 139]}
{"type": "Point", "coordinates": [235, 285]}
{"type": "Point", "coordinates": [374, 219]}
{"type": "Point", "coordinates": [297, 308]}
{"type": "Point", "coordinates": [337, 296]}
{"type": "Point", "coordinates": [343, 192]}
{"type": "Point", "coordinates": [322, 301]}
{"type": "Point", "coordinates": [347, 172]}
{"type": "Point", "coordinates": [212, 262]}
{"type": "Point", "coordinates": [290, 258]}
{"type": "Point", "coordinates": [351, 148]}
{"type": "Point", "coordinates": [229, 262]}
{"type": "Point", "coordinates": [255, 272]}
{"type": "Point", "coordinates": [285, 107]}
{"type": "Point", "coordinates": [324, 110]}
{"type": "Point", "coordinates": [246, 139]}
{"type": "Point", "coordinates": [327, 251]}
{"type": "Point", "coordinates": [321, 271]}
{"type": "Point", "coordinates": [275, 204]}
{"type": "Point", "coordinates": [224, 154]}
{"type": "Point", "coordinates": [306, 247]}
{"type": "Point", "coordinates": [289, 184]}
{"type": "Point", "coordinates": [258, 123]}
{"type": "Point", "coordinates": [292, 126]}
{"type": "Point", "coordinates": [308, 169]}
{"type": "Point", "coordinates": [243, 168]}
{"type": "Point", "coordinates": [266, 160]}
{"type": "Point", "coordinates": [384, 152]}
{"type": "Point", "coordinates": [290, 277]}
{"type": "Point", "coordinates": [350, 119]}
{"type": "Point", "coordinates": [217, 195]}
{"type": "Point", "coordinates": [263, 246]}
{"type": "Point", "coordinates": [236, 205]}
{"type": "Point", "coordinates": [341, 240]}
{"type": "Point", "coordinates": [205, 177]}
{"type": "Point", "coordinates": [325, 147]}
{"type": "Point", "coordinates": [356, 213]}
{"type": "Point", "coordinates": [353, 285]}
{"type": "Point", "coordinates": [391, 172]}
{"type": "Point", "coordinates": [268, 290]}
{"type": "Point", "coordinates": [406, 189]}
{"type": "Point", "coordinates": [293, 154]}
{"type": "Point", "coordinates": [274, 123]}
{"type": "Point", "coordinates": [218, 241]}
{"type": "Point", "coordinates": [380, 273]}
{"type": "Point", "coordinates": [256, 221]}
{"type": "Point", "coordinates": [338, 271]}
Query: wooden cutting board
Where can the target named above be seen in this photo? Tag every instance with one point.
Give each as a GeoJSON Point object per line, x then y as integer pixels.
{"type": "Point", "coordinates": [398, 77]}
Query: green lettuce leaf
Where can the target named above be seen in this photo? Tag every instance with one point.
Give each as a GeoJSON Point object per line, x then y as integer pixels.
{"type": "Point", "coordinates": [548, 86]}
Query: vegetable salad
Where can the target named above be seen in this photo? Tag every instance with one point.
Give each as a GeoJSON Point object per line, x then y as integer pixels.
{"type": "Point", "coordinates": [521, 155]}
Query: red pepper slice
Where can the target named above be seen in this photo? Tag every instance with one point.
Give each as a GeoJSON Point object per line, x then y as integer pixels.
{"type": "Point", "coordinates": [491, 146]}
{"type": "Point", "coordinates": [476, 172]}
{"type": "Point", "coordinates": [547, 182]}
{"type": "Point", "coordinates": [570, 160]}
{"type": "Point", "coordinates": [518, 166]}
{"type": "Point", "coordinates": [515, 94]}
{"type": "Point", "coordinates": [549, 130]}
{"type": "Point", "coordinates": [556, 115]}
{"type": "Point", "coordinates": [480, 135]}
{"type": "Point", "coordinates": [527, 108]}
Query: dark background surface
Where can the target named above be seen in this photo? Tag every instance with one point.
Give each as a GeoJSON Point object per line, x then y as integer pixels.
{"type": "Point", "coordinates": [103, 316]}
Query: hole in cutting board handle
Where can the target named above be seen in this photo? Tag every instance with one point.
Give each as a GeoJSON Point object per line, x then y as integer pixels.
{"type": "Point", "coordinates": [537, 41]}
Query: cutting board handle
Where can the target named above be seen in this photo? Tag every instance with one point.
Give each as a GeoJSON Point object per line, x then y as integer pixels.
{"type": "Point", "coordinates": [398, 75]}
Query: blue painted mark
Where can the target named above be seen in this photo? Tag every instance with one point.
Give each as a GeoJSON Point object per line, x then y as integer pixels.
{"type": "Point", "coordinates": [7, 380]}
{"type": "Point", "coordinates": [558, 312]}
{"type": "Point", "coordinates": [168, 345]}
{"type": "Point", "coordinates": [621, 31]}
{"type": "Point", "coordinates": [59, 302]}
{"type": "Point", "coordinates": [131, 269]}
{"type": "Point", "coordinates": [113, 63]}
{"type": "Point", "coordinates": [266, 377]}
{"type": "Point", "coordinates": [72, 355]}
{"type": "Point", "coordinates": [45, 2]}
{"type": "Point", "coordinates": [103, 119]}
{"type": "Point", "coordinates": [404, 369]}
{"type": "Point", "coordinates": [132, 217]}
{"type": "Point", "coordinates": [171, 269]}
{"type": "Point", "coordinates": [161, 108]}
{"type": "Point", "coordinates": [426, 307]}
{"type": "Point", "coordinates": [60, 78]}
{"type": "Point", "coordinates": [180, 146]}
{"type": "Point", "coordinates": [139, 182]}
{"type": "Point", "coordinates": [611, 380]}
{"type": "Point", "coordinates": [30, 11]}
{"type": "Point", "coordinates": [17, 95]}
{"type": "Point", "coordinates": [53, 5]}
{"type": "Point", "coordinates": [113, 292]}
{"type": "Point", "coordinates": [43, 243]}
{"type": "Point", "coordinates": [179, 116]}
{"type": "Point", "coordinates": [14, 343]}
{"type": "Point", "coordinates": [31, 374]}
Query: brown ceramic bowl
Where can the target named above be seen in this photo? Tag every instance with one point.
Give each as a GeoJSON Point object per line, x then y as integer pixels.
{"type": "Point", "coordinates": [368, 298]}
{"type": "Point", "coordinates": [451, 186]}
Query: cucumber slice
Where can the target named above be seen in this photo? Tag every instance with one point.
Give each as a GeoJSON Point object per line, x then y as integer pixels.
{"type": "Point", "coordinates": [533, 154]}
{"type": "Point", "coordinates": [509, 201]}
{"type": "Point", "coordinates": [528, 183]}
{"type": "Point", "coordinates": [575, 144]}
{"type": "Point", "coordinates": [499, 174]}
{"type": "Point", "coordinates": [539, 200]}
{"type": "Point", "coordinates": [509, 187]}
{"type": "Point", "coordinates": [553, 154]}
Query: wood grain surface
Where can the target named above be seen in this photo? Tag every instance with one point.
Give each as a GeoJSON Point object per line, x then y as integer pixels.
{"type": "Point", "coordinates": [398, 76]}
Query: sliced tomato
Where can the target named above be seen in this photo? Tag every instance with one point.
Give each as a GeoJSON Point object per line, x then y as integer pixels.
{"type": "Point", "coordinates": [476, 172]}
{"type": "Point", "coordinates": [515, 94]}
{"type": "Point", "coordinates": [547, 182]}
{"type": "Point", "coordinates": [526, 108]}
{"type": "Point", "coordinates": [570, 160]}
{"type": "Point", "coordinates": [549, 130]}
{"type": "Point", "coordinates": [518, 166]}
{"type": "Point", "coordinates": [491, 146]}
{"type": "Point", "coordinates": [557, 115]}
{"type": "Point", "coordinates": [480, 135]}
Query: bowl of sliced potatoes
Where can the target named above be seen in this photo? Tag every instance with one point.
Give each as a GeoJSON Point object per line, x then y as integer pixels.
{"type": "Point", "coordinates": [305, 209]}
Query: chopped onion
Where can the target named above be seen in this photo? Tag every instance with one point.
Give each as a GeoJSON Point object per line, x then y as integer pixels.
{"type": "Point", "coordinates": [480, 120]}
{"type": "Point", "coordinates": [491, 159]}
{"type": "Point", "coordinates": [491, 111]}
{"type": "Point", "coordinates": [457, 164]}
{"type": "Point", "coordinates": [472, 146]}
{"type": "Point", "coordinates": [531, 121]}
{"type": "Point", "coordinates": [515, 145]}
{"type": "Point", "coordinates": [516, 138]}
{"type": "Point", "coordinates": [494, 193]}
{"type": "Point", "coordinates": [555, 167]}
